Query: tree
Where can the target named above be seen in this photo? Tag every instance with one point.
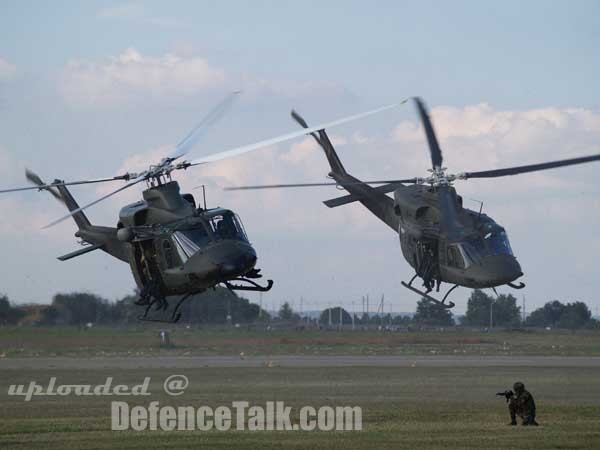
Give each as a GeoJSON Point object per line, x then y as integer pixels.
{"type": "Point", "coordinates": [9, 315]}
{"type": "Point", "coordinates": [575, 315]}
{"type": "Point", "coordinates": [287, 313]}
{"type": "Point", "coordinates": [335, 316]}
{"type": "Point", "coordinates": [478, 309]}
{"type": "Point", "coordinates": [505, 311]}
{"type": "Point", "coordinates": [214, 306]}
{"type": "Point", "coordinates": [559, 315]}
{"type": "Point", "coordinates": [428, 313]}
{"type": "Point", "coordinates": [553, 311]}
{"type": "Point", "coordinates": [4, 309]}
{"type": "Point", "coordinates": [79, 308]}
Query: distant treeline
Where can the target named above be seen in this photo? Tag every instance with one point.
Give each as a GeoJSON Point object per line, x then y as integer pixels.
{"type": "Point", "coordinates": [80, 308]}
{"type": "Point", "coordinates": [220, 306]}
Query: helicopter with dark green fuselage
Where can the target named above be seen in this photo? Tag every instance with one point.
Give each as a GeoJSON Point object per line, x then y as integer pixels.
{"type": "Point", "coordinates": [173, 246]}
{"type": "Point", "coordinates": [441, 239]}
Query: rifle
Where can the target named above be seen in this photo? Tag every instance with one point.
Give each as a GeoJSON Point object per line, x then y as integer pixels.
{"type": "Point", "coordinates": [506, 394]}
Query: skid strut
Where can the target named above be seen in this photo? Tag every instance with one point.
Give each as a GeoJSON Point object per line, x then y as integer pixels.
{"type": "Point", "coordinates": [426, 295]}
{"type": "Point", "coordinates": [163, 304]}
{"type": "Point", "coordinates": [251, 286]}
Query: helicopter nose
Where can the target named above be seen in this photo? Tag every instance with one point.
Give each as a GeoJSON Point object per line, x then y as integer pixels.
{"type": "Point", "coordinates": [226, 259]}
{"type": "Point", "coordinates": [502, 268]}
{"type": "Point", "coordinates": [235, 259]}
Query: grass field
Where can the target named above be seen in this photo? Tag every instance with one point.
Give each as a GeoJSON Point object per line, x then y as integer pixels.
{"type": "Point", "coordinates": [412, 408]}
{"type": "Point", "coordinates": [403, 407]}
{"type": "Point", "coordinates": [103, 341]}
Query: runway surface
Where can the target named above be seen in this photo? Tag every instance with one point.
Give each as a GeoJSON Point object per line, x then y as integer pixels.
{"type": "Point", "coordinates": [191, 362]}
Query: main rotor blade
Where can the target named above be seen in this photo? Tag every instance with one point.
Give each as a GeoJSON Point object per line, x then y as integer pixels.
{"type": "Point", "coordinates": [75, 211]}
{"type": "Point", "coordinates": [286, 137]}
{"type": "Point", "coordinates": [294, 185]}
{"type": "Point", "coordinates": [210, 119]}
{"type": "Point", "coordinates": [529, 168]}
{"type": "Point", "coordinates": [68, 183]}
{"type": "Point", "coordinates": [434, 147]}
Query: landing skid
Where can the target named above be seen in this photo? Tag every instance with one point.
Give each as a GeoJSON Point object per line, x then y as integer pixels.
{"type": "Point", "coordinates": [521, 285]}
{"type": "Point", "coordinates": [251, 286]}
{"type": "Point", "coordinates": [163, 304]}
{"type": "Point", "coordinates": [426, 295]}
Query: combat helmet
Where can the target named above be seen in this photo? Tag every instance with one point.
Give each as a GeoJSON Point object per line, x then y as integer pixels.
{"type": "Point", "coordinates": [518, 387]}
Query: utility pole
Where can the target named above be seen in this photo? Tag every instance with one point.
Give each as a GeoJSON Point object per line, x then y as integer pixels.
{"type": "Point", "coordinates": [381, 316]}
{"type": "Point", "coordinates": [363, 307]}
{"type": "Point", "coordinates": [307, 316]}
{"type": "Point", "coordinates": [353, 314]}
{"type": "Point", "coordinates": [329, 315]}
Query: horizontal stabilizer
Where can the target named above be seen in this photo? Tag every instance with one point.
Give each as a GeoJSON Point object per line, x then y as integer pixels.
{"type": "Point", "coordinates": [82, 251]}
{"type": "Point", "coordinates": [351, 198]}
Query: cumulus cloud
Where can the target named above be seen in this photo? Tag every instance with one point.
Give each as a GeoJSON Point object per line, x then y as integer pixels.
{"type": "Point", "coordinates": [472, 138]}
{"type": "Point", "coordinates": [7, 70]}
{"type": "Point", "coordinates": [478, 137]}
{"type": "Point", "coordinates": [132, 75]}
{"type": "Point", "coordinates": [27, 211]}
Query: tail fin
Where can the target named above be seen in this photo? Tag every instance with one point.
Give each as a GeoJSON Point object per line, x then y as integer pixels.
{"type": "Point", "coordinates": [80, 218]}
{"type": "Point", "coordinates": [62, 194]}
{"type": "Point", "coordinates": [323, 140]}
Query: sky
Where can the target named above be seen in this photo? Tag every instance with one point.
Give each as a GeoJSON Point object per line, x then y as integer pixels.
{"type": "Point", "coordinates": [92, 89]}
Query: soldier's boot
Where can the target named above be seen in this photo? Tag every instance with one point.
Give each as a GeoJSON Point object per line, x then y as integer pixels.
{"type": "Point", "coordinates": [513, 417]}
{"type": "Point", "coordinates": [530, 421]}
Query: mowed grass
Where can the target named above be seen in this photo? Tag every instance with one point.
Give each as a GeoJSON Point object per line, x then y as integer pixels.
{"type": "Point", "coordinates": [144, 340]}
{"type": "Point", "coordinates": [409, 408]}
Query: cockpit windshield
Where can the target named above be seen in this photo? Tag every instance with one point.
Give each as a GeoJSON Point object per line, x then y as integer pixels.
{"type": "Point", "coordinates": [475, 248]}
{"type": "Point", "coordinates": [493, 243]}
{"type": "Point", "coordinates": [497, 242]}
{"type": "Point", "coordinates": [228, 226]}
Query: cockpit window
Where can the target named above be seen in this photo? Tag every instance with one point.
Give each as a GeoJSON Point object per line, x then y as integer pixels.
{"type": "Point", "coordinates": [498, 244]}
{"type": "Point", "coordinates": [190, 241]}
{"type": "Point", "coordinates": [228, 226]}
{"type": "Point", "coordinates": [474, 249]}
{"type": "Point", "coordinates": [455, 257]}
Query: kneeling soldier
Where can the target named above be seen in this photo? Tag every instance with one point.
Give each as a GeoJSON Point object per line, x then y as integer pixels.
{"type": "Point", "coordinates": [522, 405]}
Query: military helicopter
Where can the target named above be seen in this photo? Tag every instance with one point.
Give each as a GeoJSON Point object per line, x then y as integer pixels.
{"type": "Point", "coordinates": [173, 246]}
{"type": "Point", "coordinates": [439, 238]}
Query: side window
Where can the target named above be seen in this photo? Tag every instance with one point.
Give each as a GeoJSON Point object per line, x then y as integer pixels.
{"type": "Point", "coordinates": [168, 254]}
{"type": "Point", "coordinates": [398, 211]}
{"type": "Point", "coordinates": [455, 258]}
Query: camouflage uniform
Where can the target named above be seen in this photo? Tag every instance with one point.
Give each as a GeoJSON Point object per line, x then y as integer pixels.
{"type": "Point", "coordinates": [522, 405]}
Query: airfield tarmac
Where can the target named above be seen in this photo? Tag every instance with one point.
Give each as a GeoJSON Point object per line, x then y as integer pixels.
{"type": "Point", "coordinates": [195, 362]}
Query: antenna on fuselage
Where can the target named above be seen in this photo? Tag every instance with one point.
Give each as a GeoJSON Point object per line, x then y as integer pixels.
{"type": "Point", "coordinates": [204, 195]}
{"type": "Point", "coordinates": [480, 207]}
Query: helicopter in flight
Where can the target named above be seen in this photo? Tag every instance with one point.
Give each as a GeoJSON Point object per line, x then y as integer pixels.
{"type": "Point", "coordinates": [442, 240]}
{"type": "Point", "coordinates": [173, 246]}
